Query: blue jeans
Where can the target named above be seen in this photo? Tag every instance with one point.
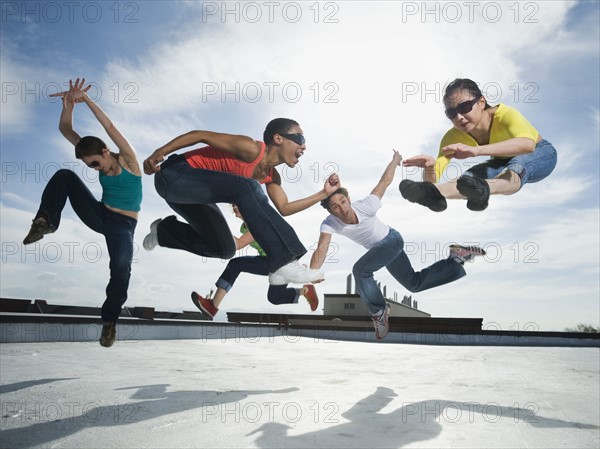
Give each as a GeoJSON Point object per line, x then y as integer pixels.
{"type": "Point", "coordinates": [389, 253]}
{"type": "Point", "coordinates": [118, 230]}
{"type": "Point", "coordinates": [193, 194]}
{"type": "Point", "coordinates": [277, 294]}
{"type": "Point", "coordinates": [531, 167]}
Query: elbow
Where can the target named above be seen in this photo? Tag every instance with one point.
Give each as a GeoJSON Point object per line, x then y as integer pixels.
{"type": "Point", "coordinates": [529, 146]}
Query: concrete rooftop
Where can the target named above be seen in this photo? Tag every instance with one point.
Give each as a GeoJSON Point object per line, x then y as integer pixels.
{"type": "Point", "coordinates": [297, 392]}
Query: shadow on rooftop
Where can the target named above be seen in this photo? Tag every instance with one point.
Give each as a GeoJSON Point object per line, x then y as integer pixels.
{"type": "Point", "coordinates": [411, 423]}
{"type": "Point", "coordinates": [155, 402]}
{"type": "Point", "coordinates": [9, 388]}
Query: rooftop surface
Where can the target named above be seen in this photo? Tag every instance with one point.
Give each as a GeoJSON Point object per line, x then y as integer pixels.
{"type": "Point", "coordinates": [296, 392]}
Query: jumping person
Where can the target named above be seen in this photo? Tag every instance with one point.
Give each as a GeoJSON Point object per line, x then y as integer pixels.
{"type": "Point", "coordinates": [229, 170]}
{"type": "Point", "coordinates": [385, 248]}
{"type": "Point", "coordinates": [277, 294]}
{"type": "Point", "coordinates": [519, 154]}
{"type": "Point", "coordinates": [115, 216]}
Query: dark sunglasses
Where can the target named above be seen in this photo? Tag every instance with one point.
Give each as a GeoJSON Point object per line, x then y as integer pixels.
{"type": "Point", "coordinates": [93, 164]}
{"type": "Point", "coordinates": [296, 138]}
{"type": "Point", "coordinates": [464, 108]}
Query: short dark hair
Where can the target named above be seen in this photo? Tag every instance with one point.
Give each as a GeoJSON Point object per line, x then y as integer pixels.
{"type": "Point", "coordinates": [464, 84]}
{"type": "Point", "coordinates": [341, 190]}
{"type": "Point", "coordinates": [277, 126]}
{"type": "Point", "coordinates": [89, 146]}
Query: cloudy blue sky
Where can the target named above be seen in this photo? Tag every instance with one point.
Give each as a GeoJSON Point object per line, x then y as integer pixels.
{"type": "Point", "coordinates": [361, 78]}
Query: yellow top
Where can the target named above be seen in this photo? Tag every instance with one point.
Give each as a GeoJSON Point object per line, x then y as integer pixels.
{"type": "Point", "coordinates": [507, 123]}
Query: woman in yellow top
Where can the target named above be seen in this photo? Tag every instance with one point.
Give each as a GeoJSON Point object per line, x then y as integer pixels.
{"type": "Point", "coordinates": [519, 154]}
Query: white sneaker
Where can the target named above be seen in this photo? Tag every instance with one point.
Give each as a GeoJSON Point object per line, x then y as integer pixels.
{"type": "Point", "coordinates": [295, 273]}
{"type": "Point", "coordinates": [151, 240]}
{"type": "Point", "coordinates": [463, 254]}
{"type": "Point", "coordinates": [380, 321]}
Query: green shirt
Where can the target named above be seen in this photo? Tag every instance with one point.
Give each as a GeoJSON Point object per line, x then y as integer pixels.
{"type": "Point", "coordinates": [253, 243]}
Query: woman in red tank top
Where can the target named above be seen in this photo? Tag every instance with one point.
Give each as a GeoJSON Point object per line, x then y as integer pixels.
{"type": "Point", "coordinates": [229, 170]}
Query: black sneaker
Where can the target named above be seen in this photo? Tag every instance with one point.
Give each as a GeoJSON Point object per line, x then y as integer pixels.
{"type": "Point", "coordinates": [476, 190]}
{"type": "Point", "coordinates": [423, 193]}
{"type": "Point", "coordinates": [39, 228]}
{"type": "Point", "coordinates": [109, 333]}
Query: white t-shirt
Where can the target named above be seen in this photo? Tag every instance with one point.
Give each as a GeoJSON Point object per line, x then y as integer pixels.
{"type": "Point", "coordinates": [368, 231]}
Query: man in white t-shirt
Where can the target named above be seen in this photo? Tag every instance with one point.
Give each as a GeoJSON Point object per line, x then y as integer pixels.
{"type": "Point", "coordinates": [385, 248]}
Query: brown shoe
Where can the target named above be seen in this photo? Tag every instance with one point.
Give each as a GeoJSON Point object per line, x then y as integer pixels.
{"type": "Point", "coordinates": [109, 333]}
{"type": "Point", "coordinates": [39, 228]}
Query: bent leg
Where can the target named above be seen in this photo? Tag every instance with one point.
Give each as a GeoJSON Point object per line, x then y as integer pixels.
{"type": "Point", "coordinates": [244, 264]}
{"type": "Point", "coordinates": [179, 183]}
{"type": "Point", "coordinates": [374, 259]}
{"type": "Point", "coordinates": [282, 294]}
{"type": "Point", "coordinates": [206, 232]}
{"type": "Point", "coordinates": [66, 184]}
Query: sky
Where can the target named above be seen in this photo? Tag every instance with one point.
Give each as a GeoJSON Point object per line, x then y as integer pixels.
{"type": "Point", "coordinates": [361, 78]}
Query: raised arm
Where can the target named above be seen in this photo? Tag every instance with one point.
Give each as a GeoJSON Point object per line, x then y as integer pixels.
{"type": "Point", "coordinates": [388, 175]}
{"type": "Point", "coordinates": [320, 254]}
{"type": "Point", "coordinates": [286, 207]}
{"type": "Point", "coordinates": [65, 123]}
{"type": "Point", "coordinates": [507, 148]}
{"type": "Point", "coordinates": [243, 147]}
{"type": "Point", "coordinates": [78, 94]}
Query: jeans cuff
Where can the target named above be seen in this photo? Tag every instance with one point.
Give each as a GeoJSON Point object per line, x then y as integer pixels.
{"type": "Point", "coordinates": [222, 283]}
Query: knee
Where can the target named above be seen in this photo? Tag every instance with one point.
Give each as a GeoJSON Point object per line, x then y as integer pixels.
{"type": "Point", "coordinates": [229, 251]}
{"type": "Point", "coordinates": [359, 272]}
{"type": "Point", "coordinates": [64, 174]}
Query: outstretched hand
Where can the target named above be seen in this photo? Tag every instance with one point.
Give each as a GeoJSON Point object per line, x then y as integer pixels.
{"type": "Point", "coordinates": [397, 157]}
{"type": "Point", "coordinates": [460, 151]}
{"type": "Point", "coordinates": [422, 161]}
{"type": "Point", "coordinates": [76, 92]}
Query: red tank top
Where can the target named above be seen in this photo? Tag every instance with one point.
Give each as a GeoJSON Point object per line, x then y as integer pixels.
{"type": "Point", "coordinates": [211, 158]}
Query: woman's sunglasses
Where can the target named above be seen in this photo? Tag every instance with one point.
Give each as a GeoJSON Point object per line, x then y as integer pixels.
{"type": "Point", "coordinates": [93, 164]}
{"type": "Point", "coordinates": [296, 138]}
{"type": "Point", "coordinates": [464, 108]}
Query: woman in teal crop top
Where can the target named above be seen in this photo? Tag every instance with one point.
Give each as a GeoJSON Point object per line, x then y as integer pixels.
{"type": "Point", "coordinates": [519, 155]}
{"type": "Point", "coordinates": [115, 216]}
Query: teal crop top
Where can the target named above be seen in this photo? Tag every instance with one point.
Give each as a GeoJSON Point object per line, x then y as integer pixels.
{"type": "Point", "coordinates": [123, 191]}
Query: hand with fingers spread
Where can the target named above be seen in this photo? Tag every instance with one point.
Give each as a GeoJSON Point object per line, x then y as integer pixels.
{"type": "Point", "coordinates": [76, 92]}
{"type": "Point", "coordinates": [460, 151]}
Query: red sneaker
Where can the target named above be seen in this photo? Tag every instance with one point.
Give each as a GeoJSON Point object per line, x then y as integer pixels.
{"type": "Point", "coordinates": [205, 305]}
{"type": "Point", "coordinates": [311, 296]}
